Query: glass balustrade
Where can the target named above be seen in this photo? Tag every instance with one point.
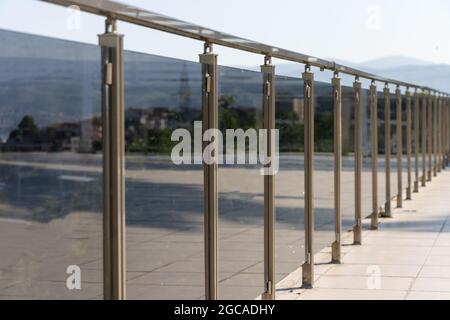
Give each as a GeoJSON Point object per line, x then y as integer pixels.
{"type": "Point", "coordinates": [164, 200]}
{"type": "Point", "coordinates": [241, 188]}
{"type": "Point", "coordinates": [348, 158]}
{"type": "Point", "coordinates": [51, 220]}
{"type": "Point", "coordinates": [367, 157]}
{"type": "Point", "coordinates": [323, 179]}
{"type": "Point", "coordinates": [50, 169]}
{"type": "Point", "coordinates": [289, 182]}
{"type": "Point", "coordinates": [381, 152]}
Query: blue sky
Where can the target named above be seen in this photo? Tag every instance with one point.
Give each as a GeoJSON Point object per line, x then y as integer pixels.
{"type": "Point", "coordinates": [348, 29]}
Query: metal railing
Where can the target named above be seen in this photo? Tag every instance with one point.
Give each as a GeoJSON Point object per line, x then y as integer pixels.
{"type": "Point", "coordinates": [430, 114]}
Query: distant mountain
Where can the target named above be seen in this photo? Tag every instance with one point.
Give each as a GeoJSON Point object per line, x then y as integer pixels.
{"type": "Point", "coordinates": [394, 62]}
{"type": "Point", "coordinates": [395, 67]}
{"type": "Point", "coordinates": [386, 63]}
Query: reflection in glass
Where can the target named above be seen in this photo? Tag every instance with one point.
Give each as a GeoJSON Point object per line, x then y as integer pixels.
{"type": "Point", "coordinates": [50, 174]}
{"type": "Point", "coordinates": [394, 175]}
{"type": "Point", "coordinates": [241, 191]}
{"type": "Point", "coordinates": [348, 158]}
{"type": "Point", "coordinates": [290, 178]}
{"type": "Point", "coordinates": [323, 166]}
{"type": "Point", "coordinates": [50, 169]}
{"type": "Point", "coordinates": [164, 201]}
{"type": "Point", "coordinates": [381, 152]}
{"type": "Point", "coordinates": [404, 151]}
{"type": "Point", "coordinates": [366, 176]}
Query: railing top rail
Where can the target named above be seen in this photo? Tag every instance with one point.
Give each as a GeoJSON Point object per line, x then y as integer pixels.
{"type": "Point", "coordinates": [138, 16]}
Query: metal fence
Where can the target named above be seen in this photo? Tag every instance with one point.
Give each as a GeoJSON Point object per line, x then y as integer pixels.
{"type": "Point", "coordinates": [423, 129]}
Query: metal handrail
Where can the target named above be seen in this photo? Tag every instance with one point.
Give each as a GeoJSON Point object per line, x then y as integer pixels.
{"type": "Point", "coordinates": [138, 16]}
{"type": "Point", "coordinates": [113, 106]}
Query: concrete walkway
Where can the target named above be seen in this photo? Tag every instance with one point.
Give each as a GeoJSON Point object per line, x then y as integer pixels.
{"type": "Point", "coordinates": [407, 258]}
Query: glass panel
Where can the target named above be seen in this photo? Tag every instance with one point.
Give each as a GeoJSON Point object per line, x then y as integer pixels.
{"type": "Point", "coordinates": [429, 149]}
{"type": "Point", "coordinates": [348, 158]}
{"type": "Point", "coordinates": [241, 191]}
{"type": "Point", "coordinates": [290, 236]}
{"type": "Point", "coordinates": [323, 166]}
{"type": "Point", "coordinates": [50, 169]}
{"type": "Point", "coordinates": [404, 151]}
{"type": "Point", "coordinates": [423, 145]}
{"type": "Point", "coordinates": [394, 183]}
{"type": "Point", "coordinates": [366, 176]}
{"type": "Point", "coordinates": [381, 153]}
{"type": "Point", "coordinates": [414, 144]}
{"type": "Point", "coordinates": [164, 201]}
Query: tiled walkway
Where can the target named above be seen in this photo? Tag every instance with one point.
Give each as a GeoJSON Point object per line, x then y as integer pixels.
{"type": "Point", "coordinates": [407, 258]}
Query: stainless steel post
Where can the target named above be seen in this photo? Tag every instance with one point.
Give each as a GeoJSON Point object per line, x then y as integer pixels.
{"type": "Point", "coordinates": [424, 130]}
{"type": "Point", "coordinates": [113, 145]}
{"type": "Point", "coordinates": [447, 129]}
{"type": "Point", "coordinates": [308, 266]}
{"type": "Point", "coordinates": [210, 112]}
{"type": "Point", "coordinates": [440, 135]}
{"type": "Point", "coordinates": [374, 154]}
{"type": "Point", "coordinates": [437, 168]}
{"type": "Point", "coordinates": [399, 127]}
{"type": "Point", "coordinates": [408, 143]}
{"type": "Point", "coordinates": [447, 125]}
{"type": "Point", "coordinates": [416, 140]}
{"type": "Point", "coordinates": [443, 140]}
{"type": "Point", "coordinates": [435, 142]}
{"type": "Point", "coordinates": [430, 136]}
{"type": "Point", "coordinates": [337, 100]}
{"type": "Point", "coordinates": [444, 132]}
{"type": "Point", "coordinates": [268, 72]}
{"type": "Point", "coordinates": [357, 229]}
{"type": "Point", "coordinates": [387, 145]}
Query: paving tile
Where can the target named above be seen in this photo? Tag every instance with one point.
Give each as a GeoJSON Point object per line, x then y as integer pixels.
{"type": "Point", "coordinates": [401, 235]}
{"type": "Point", "coordinates": [323, 268]}
{"type": "Point", "coordinates": [284, 267]}
{"type": "Point", "coordinates": [431, 284]}
{"type": "Point", "coordinates": [442, 242]}
{"type": "Point", "coordinates": [239, 292]}
{"type": "Point", "coordinates": [351, 294]}
{"type": "Point", "coordinates": [440, 251]}
{"type": "Point", "coordinates": [156, 292]}
{"type": "Point", "coordinates": [360, 282]}
{"type": "Point", "coordinates": [166, 261]}
{"type": "Point", "coordinates": [170, 279]}
{"type": "Point", "coordinates": [184, 266]}
{"type": "Point", "coordinates": [438, 260]}
{"type": "Point", "coordinates": [244, 280]}
{"type": "Point", "coordinates": [427, 242]}
{"type": "Point", "coordinates": [53, 290]}
{"type": "Point", "coordinates": [426, 295]}
{"type": "Point", "coordinates": [380, 259]}
{"type": "Point", "coordinates": [435, 272]}
{"type": "Point", "coordinates": [291, 294]}
{"type": "Point", "coordinates": [365, 269]}
{"type": "Point", "coordinates": [392, 249]}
